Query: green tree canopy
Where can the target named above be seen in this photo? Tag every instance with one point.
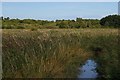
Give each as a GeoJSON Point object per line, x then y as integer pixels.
{"type": "Point", "coordinates": [111, 21]}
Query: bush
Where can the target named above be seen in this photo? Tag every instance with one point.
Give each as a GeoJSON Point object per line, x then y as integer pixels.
{"type": "Point", "coordinates": [111, 20]}
{"type": "Point", "coordinates": [20, 27]}
{"type": "Point", "coordinates": [33, 29]}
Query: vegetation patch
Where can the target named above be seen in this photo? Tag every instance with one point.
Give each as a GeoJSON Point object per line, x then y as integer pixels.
{"type": "Point", "coordinates": [48, 53]}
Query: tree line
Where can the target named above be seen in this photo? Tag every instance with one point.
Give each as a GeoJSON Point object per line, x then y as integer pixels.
{"type": "Point", "coordinates": [108, 21]}
{"type": "Point", "coordinates": [111, 21]}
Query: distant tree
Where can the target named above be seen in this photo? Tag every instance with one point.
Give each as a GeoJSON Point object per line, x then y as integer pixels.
{"type": "Point", "coordinates": [7, 18]}
{"type": "Point", "coordinates": [61, 24]}
{"type": "Point", "coordinates": [78, 19]}
{"type": "Point", "coordinates": [20, 21]}
{"type": "Point", "coordinates": [111, 21]}
{"type": "Point", "coordinates": [1, 18]}
{"type": "Point", "coordinates": [82, 22]}
{"type": "Point", "coordinates": [76, 25]}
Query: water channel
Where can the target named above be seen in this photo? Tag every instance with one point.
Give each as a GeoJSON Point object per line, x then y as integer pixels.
{"type": "Point", "coordinates": [88, 70]}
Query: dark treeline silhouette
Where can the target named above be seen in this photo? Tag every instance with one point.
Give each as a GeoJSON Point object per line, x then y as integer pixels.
{"type": "Point", "coordinates": [109, 21]}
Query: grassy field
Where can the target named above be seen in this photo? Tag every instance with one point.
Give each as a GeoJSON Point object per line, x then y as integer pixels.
{"type": "Point", "coordinates": [58, 53]}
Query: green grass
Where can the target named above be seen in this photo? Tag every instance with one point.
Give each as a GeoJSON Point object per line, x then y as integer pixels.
{"type": "Point", "coordinates": [57, 53]}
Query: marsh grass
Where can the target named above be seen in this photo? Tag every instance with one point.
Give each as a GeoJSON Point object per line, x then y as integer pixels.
{"type": "Point", "coordinates": [53, 53]}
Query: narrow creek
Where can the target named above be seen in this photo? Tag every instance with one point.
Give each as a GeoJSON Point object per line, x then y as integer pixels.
{"type": "Point", "coordinates": [88, 70]}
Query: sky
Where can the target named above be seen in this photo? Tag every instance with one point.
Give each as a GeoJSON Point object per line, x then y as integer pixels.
{"type": "Point", "coordinates": [60, 0]}
{"type": "Point", "coordinates": [58, 10]}
{"type": "Point", "coordinates": [119, 8]}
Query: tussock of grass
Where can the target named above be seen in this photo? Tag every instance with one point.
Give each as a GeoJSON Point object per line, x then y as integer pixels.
{"type": "Point", "coordinates": [52, 53]}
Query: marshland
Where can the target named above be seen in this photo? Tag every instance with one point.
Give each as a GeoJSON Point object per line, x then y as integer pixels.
{"type": "Point", "coordinates": [60, 40]}
{"type": "Point", "coordinates": [59, 53]}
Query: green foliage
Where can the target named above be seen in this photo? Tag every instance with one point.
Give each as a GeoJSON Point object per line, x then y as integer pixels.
{"type": "Point", "coordinates": [7, 18]}
{"type": "Point", "coordinates": [20, 27]}
{"type": "Point", "coordinates": [61, 24]}
{"type": "Point", "coordinates": [31, 23]}
{"type": "Point", "coordinates": [107, 22]}
{"type": "Point", "coordinates": [111, 21]}
{"type": "Point", "coordinates": [1, 18]}
{"type": "Point", "coordinates": [33, 29]}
